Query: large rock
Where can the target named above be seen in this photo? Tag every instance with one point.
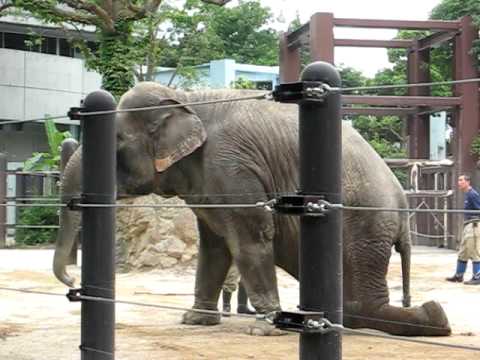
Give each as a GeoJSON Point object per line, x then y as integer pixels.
{"type": "Point", "coordinates": [149, 238]}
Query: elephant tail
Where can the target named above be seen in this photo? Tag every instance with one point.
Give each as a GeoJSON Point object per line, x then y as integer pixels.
{"type": "Point", "coordinates": [403, 247]}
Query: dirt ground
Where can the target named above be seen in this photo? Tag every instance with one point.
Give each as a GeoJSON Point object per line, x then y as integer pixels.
{"type": "Point", "coordinates": [48, 327]}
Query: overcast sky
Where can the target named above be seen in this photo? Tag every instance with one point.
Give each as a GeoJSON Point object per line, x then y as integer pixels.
{"type": "Point", "coordinates": [368, 60]}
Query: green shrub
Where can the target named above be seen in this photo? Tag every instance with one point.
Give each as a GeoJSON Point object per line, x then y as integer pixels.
{"type": "Point", "coordinates": [37, 216]}
{"type": "Point", "coordinates": [475, 146]}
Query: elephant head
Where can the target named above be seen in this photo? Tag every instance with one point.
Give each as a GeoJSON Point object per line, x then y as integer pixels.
{"type": "Point", "coordinates": [150, 142]}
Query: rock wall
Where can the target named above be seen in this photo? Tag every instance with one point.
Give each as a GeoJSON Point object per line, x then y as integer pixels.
{"type": "Point", "coordinates": [149, 238]}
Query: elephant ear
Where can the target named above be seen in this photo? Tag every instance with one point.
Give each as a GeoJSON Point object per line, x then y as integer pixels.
{"type": "Point", "coordinates": [176, 133]}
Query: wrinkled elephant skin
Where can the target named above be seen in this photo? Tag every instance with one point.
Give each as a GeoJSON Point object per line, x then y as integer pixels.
{"type": "Point", "coordinates": [246, 152]}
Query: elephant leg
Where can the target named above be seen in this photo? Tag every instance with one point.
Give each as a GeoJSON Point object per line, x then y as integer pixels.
{"type": "Point", "coordinates": [371, 308]}
{"type": "Point", "coordinates": [251, 244]}
{"type": "Point", "coordinates": [214, 260]}
{"type": "Point", "coordinates": [348, 293]}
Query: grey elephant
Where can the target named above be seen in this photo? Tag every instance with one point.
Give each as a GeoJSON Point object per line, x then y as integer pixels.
{"type": "Point", "coordinates": [246, 152]}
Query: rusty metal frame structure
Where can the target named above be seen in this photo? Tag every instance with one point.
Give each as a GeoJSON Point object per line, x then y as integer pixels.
{"type": "Point", "coordinates": [463, 106]}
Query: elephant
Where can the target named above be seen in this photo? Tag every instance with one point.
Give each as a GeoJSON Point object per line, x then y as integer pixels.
{"type": "Point", "coordinates": [247, 152]}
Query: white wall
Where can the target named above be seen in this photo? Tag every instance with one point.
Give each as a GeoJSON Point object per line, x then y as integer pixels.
{"type": "Point", "coordinates": [34, 84]}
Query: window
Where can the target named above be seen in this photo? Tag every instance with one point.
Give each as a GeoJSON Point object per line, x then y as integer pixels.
{"type": "Point", "coordinates": [49, 45]}
{"type": "Point", "coordinates": [65, 48]}
{"type": "Point", "coordinates": [15, 41]}
{"type": "Point", "coordinates": [46, 45]}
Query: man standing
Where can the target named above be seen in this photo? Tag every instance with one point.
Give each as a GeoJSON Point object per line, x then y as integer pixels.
{"type": "Point", "coordinates": [229, 286]}
{"type": "Point", "coordinates": [470, 244]}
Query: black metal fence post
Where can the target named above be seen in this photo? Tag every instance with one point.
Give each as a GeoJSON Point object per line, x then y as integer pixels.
{"type": "Point", "coordinates": [321, 236]}
{"type": "Point", "coordinates": [3, 200]}
{"type": "Point", "coordinates": [98, 236]}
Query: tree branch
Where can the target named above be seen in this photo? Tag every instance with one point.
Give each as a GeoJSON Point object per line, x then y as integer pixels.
{"type": "Point", "coordinates": [93, 9]}
{"type": "Point", "coordinates": [60, 15]}
{"type": "Point", "coordinates": [134, 12]}
{"type": "Point", "coordinates": [5, 7]}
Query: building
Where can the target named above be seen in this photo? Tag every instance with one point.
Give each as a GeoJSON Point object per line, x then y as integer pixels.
{"type": "Point", "coordinates": [40, 74]}
{"type": "Point", "coordinates": [222, 74]}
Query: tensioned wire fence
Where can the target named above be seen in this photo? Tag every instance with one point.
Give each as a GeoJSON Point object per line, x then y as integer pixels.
{"type": "Point", "coordinates": [268, 205]}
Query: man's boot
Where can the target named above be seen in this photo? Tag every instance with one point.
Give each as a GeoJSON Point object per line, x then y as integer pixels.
{"type": "Point", "coordinates": [242, 299]}
{"type": "Point", "coordinates": [475, 280]}
{"type": "Point", "coordinates": [226, 297]}
{"type": "Point", "coordinates": [458, 276]}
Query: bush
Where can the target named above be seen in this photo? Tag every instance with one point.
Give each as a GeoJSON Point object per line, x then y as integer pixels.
{"type": "Point", "coordinates": [475, 146]}
{"type": "Point", "coordinates": [37, 216]}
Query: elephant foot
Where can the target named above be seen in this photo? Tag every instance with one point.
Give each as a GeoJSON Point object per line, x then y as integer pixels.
{"type": "Point", "coordinates": [198, 318]}
{"type": "Point", "coordinates": [262, 328]}
{"type": "Point", "coordinates": [426, 320]}
{"type": "Point", "coordinates": [436, 319]}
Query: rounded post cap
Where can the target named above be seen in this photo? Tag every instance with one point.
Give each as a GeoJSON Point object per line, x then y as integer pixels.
{"type": "Point", "coordinates": [321, 71]}
{"type": "Point", "coordinates": [99, 100]}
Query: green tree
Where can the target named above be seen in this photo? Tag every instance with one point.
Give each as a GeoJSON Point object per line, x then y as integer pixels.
{"type": "Point", "coordinates": [455, 9]}
{"type": "Point", "coordinates": [200, 33]}
{"type": "Point", "coordinates": [117, 52]}
{"type": "Point", "coordinates": [44, 216]}
{"type": "Point", "coordinates": [48, 160]}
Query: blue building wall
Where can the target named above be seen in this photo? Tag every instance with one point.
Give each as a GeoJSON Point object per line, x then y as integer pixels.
{"type": "Point", "coordinates": [221, 74]}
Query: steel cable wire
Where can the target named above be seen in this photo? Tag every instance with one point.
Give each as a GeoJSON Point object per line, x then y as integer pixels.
{"type": "Point", "coordinates": [14, 122]}
{"type": "Point", "coordinates": [398, 86]}
{"type": "Point", "coordinates": [264, 96]}
{"type": "Point", "coordinates": [265, 204]}
{"type": "Point", "coordinates": [263, 317]}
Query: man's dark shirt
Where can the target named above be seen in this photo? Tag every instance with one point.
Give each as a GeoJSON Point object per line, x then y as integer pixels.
{"type": "Point", "coordinates": [472, 202]}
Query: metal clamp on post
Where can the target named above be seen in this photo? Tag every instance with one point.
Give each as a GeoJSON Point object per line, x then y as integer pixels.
{"type": "Point", "coordinates": [304, 322]}
{"type": "Point", "coordinates": [301, 205]}
{"type": "Point", "coordinates": [73, 295]}
{"type": "Point", "coordinates": [74, 113]}
{"type": "Point", "coordinates": [303, 90]}
{"type": "Point", "coordinates": [74, 202]}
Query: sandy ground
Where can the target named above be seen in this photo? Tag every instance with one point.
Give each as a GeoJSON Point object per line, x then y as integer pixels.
{"type": "Point", "coordinates": [48, 327]}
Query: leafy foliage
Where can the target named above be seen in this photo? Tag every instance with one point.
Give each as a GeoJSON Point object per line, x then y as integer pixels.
{"type": "Point", "coordinates": [383, 133]}
{"type": "Point", "coordinates": [453, 10]}
{"type": "Point", "coordinates": [200, 32]}
{"type": "Point", "coordinates": [48, 160]}
{"type": "Point", "coordinates": [42, 215]}
{"type": "Point", "coordinates": [475, 147]}
{"type": "Point", "coordinates": [242, 83]}
{"type": "Point", "coordinates": [37, 216]}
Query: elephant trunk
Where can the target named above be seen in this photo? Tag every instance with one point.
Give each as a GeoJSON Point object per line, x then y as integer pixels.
{"type": "Point", "coordinates": [69, 220]}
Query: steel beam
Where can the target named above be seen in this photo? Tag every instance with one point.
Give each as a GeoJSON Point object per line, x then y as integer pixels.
{"type": "Point", "coordinates": [321, 38]}
{"type": "Point", "coordinates": [402, 100]}
{"type": "Point", "coordinates": [435, 39]}
{"type": "Point", "coordinates": [297, 37]}
{"type": "Point", "coordinates": [467, 126]}
{"type": "Point", "coordinates": [398, 24]}
{"type": "Point", "coordinates": [378, 111]}
{"type": "Point", "coordinates": [398, 44]}
{"type": "Point", "coordinates": [289, 61]}
{"type": "Point", "coordinates": [418, 126]}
